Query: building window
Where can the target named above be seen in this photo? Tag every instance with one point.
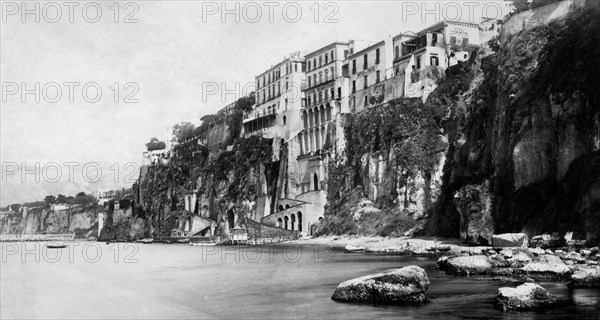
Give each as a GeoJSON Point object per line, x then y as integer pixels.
{"type": "Point", "coordinates": [320, 60]}
{"type": "Point", "coordinates": [309, 82]}
{"type": "Point", "coordinates": [365, 62]}
{"type": "Point", "coordinates": [452, 41]}
{"type": "Point", "coordinates": [284, 120]}
{"type": "Point", "coordinates": [346, 54]}
{"type": "Point", "coordinates": [332, 93]}
{"type": "Point", "coordinates": [295, 67]}
{"type": "Point", "coordinates": [435, 61]}
{"type": "Point", "coordinates": [308, 66]}
{"type": "Point", "coordinates": [314, 79]}
{"type": "Point", "coordinates": [320, 77]}
{"type": "Point", "coordinates": [326, 75]}
{"type": "Point", "coordinates": [366, 100]}
{"type": "Point", "coordinates": [354, 66]}
{"type": "Point", "coordinates": [377, 56]}
{"type": "Point", "coordinates": [326, 59]}
{"type": "Point", "coordinates": [418, 62]}
{"type": "Point", "coordinates": [377, 79]}
{"type": "Point", "coordinates": [365, 80]}
{"type": "Point", "coordinates": [339, 92]}
{"type": "Point", "coordinates": [397, 52]}
{"type": "Point", "coordinates": [309, 100]}
{"type": "Point", "coordinates": [353, 86]}
{"type": "Point", "coordinates": [332, 56]}
{"type": "Point", "coordinates": [320, 96]}
{"type": "Point", "coordinates": [332, 74]}
{"type": "Point", "coordinates": [465, 42]}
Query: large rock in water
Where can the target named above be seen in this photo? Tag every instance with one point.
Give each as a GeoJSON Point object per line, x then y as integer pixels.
{"type": "Point", "coordinates": [528, 296]}
{"type": "Point", "coordinates": [585, 278]}
{"type": "Point", "coordinates": [548, 267]}
{"type": "Point", "coordinates": [394, 286]}
{"type": "Point", "coordinates": [467, 265]}
{"type": "Point", "coordinates": [508, 240]}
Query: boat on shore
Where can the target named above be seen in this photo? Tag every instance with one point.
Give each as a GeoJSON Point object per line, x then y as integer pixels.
{"type": "Point", "coordinates": [145, 240]}
{"type": "Point", "coordinates": [439, 248]}
{"type": "Point", "coordinates": [56, 245]}
{"type": "Point", "coordinates": [202, 244]}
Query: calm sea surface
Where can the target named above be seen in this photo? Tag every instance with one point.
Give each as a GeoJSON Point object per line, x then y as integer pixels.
{"type": "Point", "coordinates": [145, 281]}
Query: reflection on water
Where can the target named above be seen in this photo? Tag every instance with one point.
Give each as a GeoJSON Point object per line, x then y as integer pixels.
{"type": "Point", "coordinates": [97, 280]}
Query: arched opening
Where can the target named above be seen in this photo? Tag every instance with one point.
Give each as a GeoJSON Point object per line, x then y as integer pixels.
{"type": "Point", "coordinates": [316, 181]}
{"type": "Point", "coordinates": [230, 218]}
{"type": "Point", "coordinates": [322, 114]}
{"type": "Point", "coordinates": [301, 143]}
{"type": "Point", "coordinates": [310, 118]}
{"type": "Point", "coordinates": [188, 224]}
{"type": "Point", "coordinates": [306, 145]}
{"type": "Point", "coordinates": [284, 120]}
{"type": "Point", "coordinates": [311, 142]}
{"type": "Point", "coordinates": [322, 136]}
{"type": "Point", "coordinates": [280, 208]}
{"type": "Point", "coordinates": [317, 139]}
{"type": "Point", "coordinates": [285, 222]}
{"type": "Point", "coordinates": [299, 221]}
{"type": "Point", "coordinates": [279, 222]}
{"type": "Point", "coordinates": [328, 111]}
{"type": "Point", "coordinates": [293, 222]}
{"type": "Point", "coordinates": [305, 119]}
{"type": "Point", "coordinates": [316, 116]}
{"type": "Point", "coordinates": [287, 206]}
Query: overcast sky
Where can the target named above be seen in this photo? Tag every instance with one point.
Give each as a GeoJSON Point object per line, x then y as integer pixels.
{"type": "Point", "coordinates": [172, 49]}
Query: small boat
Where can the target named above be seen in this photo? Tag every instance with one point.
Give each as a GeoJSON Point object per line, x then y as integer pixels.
{"type": "Point", "coordinates": [352, 248]}
{"type": "Point", "coordinates": [202, 244]}
{"type": "Point", "coordinates": [184, 240]}
{"type": "Point", "coordinates": [439, 248]}
{"type": "Point", "coordinates": [146, 240]}
{"type": "Point", "coordinates": [56, 245]}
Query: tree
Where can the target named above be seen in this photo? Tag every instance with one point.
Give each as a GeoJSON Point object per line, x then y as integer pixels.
{"type": "Point", "coordinates": [61, 198]}
{"type": "Point", "coordinates": [524, 5]}
{"type": "Point", "coordinates": [81, 194]}
{"type": "Point", "coordinates": [15, 207]}
{"type": "Point", "coordinates": [183, 131]}
{"type": "Point", "coordinates": [155, 144]}
{"type": "Point", "coordinates": [50, 200]}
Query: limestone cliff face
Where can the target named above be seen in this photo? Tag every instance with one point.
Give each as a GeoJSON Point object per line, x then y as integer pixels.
{"type": "Point", "coordinates": [228, 187]}
{"type": "Point", "coordinates": [524, 152]}
{"type": "Point", "coordinates": [513, 146]}
{"type": "Point", "coordinates": [50, 220]}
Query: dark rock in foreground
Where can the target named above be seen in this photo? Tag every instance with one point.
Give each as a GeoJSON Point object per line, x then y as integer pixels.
{"type": "Point", "coordinates": [528, 296]}
{"type": "Point", "coordinates": [394, 286]}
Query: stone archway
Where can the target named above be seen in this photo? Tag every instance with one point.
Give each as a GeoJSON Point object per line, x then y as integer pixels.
{"type": "Point", "coordinates": [279, 223]}
{"type": "Point", "coordinates": [316, 181]}
{"type": "Point", "coordinates": [292, 222]}
{"type": "Point", "coordinates": [285, 222]}
{"type": "Point", "coordinates": [299, 214]}
{"type": "Point", "coordinates": [231, 218]}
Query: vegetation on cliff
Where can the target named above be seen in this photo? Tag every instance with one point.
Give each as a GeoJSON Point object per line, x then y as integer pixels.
{"type": "Point", "coordinates": [406, 133]}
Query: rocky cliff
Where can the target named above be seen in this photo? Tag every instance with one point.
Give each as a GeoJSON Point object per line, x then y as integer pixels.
{"type": "Point", "coordinates": [51, 220]}
{"type": "Point", "coordinates": [508, 142]}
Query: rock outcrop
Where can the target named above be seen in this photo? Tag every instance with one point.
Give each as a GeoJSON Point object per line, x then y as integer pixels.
{"type": "Point", "coordinates": [585, 278]}
{"type": "Point", "coordinates": [528, 296]}
{"type": "Point", "coordinates": [547, 266]}
{"type": "Point", "coordinates": [394, 286]}
{"type": "Point", "coordinates": [510, 240]}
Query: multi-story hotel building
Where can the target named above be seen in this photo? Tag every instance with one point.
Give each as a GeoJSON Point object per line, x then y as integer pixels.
{"type": "Point", "coordinates": [431, 51]}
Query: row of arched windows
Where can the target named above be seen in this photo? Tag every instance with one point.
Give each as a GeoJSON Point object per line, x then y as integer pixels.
{"type": "Point", "coordinates": [316, 116]}
{"type": "Point", "coordinates": [291, 222]}
{"type": "Point", "coordinates": [312, 140]}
